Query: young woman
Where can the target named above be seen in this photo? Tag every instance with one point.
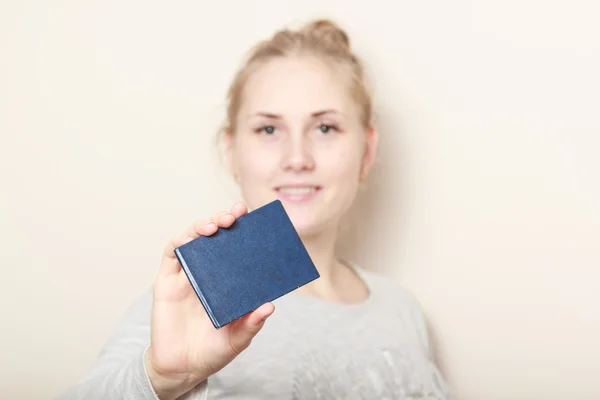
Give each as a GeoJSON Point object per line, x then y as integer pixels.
{"type": "Point", "coordinates": [299, 129]}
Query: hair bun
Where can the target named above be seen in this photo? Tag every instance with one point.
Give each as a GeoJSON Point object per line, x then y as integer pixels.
{"type": "Point", "coordinates": [328, 34]}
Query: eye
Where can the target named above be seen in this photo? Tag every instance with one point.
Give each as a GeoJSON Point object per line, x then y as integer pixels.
{"type": "Point", "coordinates": [269, 129]}
{"type": "Point", "coordinates": [325, 128]}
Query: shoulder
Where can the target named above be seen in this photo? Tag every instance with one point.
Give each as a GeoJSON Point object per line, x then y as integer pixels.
{"type": "Point", "coordinates": [398, 300]}
{"type": "Point", "coordinates": [389, 287]}
{"type": "Point", "coordinates": [137, 315]}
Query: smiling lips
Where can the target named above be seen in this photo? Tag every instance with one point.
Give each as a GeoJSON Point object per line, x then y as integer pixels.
{"type": "Point", "coordinates": [297, 193]}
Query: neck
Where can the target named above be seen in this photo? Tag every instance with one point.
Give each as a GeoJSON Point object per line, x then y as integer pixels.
{"type": "Point", "coordinates": [321, 248]}
{"type": "Point", "coordinates": [337, 283]}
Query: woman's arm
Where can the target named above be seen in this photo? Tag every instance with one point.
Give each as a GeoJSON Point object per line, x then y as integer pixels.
{"type": "Point", "coordinates": [439, 383]}
{"type": "Point", "coordinates": [183, 347]}
{"type": "Point", "coordinates": [119, 371]}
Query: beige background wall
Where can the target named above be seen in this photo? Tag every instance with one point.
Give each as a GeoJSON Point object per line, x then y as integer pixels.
{"type": "Point", "coordinates": [484, 203]}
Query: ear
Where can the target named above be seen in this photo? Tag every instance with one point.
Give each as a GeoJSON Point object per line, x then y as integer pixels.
{"type": "Point", "coordinates": [370, 153]}
{"type": "Point", "coordinates": [228, 140]}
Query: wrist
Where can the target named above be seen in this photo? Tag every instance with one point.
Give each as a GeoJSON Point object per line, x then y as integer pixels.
{"type": "Point", "coordinates": [166, 386]}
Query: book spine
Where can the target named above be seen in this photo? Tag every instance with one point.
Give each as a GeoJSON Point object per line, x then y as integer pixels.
{"type": "Point", "coordinates": [194, 284]}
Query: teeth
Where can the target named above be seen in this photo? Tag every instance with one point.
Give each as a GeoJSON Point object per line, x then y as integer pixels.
{"type": "Point", "coordinates": [303, 190]}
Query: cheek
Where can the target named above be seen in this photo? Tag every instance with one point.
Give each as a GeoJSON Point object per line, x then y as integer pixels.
{"type": "Point", "coordinates": [342, 171]}
{"type": "Point", "coordinates": [253, 163]}
{"type": "Point", "coordinates": [256, 170]}
{"type": "Point", "coordinates": [343, 164]}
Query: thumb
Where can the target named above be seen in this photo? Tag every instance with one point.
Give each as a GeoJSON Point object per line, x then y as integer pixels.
{"type": "Point", "coordinates": [248, 326]}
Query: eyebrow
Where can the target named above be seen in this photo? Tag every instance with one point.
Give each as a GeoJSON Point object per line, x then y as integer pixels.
{"type": "Point", "coordinates": [315, 114]}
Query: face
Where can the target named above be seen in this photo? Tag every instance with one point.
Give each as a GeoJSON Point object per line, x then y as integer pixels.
{"type": "Point", "coordinates": [299, 139]}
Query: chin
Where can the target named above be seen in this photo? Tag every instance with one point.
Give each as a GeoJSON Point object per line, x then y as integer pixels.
{"type": "Point", "coordinates": [308, 219]}
{"type": "Point", "coordinates": [305, 230]}
{"type": "Point", "coordinates": [307, 225]}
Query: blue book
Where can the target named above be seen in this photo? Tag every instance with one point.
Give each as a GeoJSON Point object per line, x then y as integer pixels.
{"type": "Point", "coordinates": [255, 261]}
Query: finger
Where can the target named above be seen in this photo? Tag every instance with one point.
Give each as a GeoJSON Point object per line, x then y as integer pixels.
{"type": "Point", "coordinates": [245, 328]}
{"type": "Point", "coordinates": [239, 209]}
{"type": "Point", "coordinates": [170, 264]}
{"type": "Point", "coordinates": [223, 219]}
{"type": "Point", "coordinates": [260, 315]}
{"type": "Point", "coordinates": [169, 250]}
{"type": "Point", "coordinates": [215, 217]}
{"type": "Point", "coordinates": [201, 228]}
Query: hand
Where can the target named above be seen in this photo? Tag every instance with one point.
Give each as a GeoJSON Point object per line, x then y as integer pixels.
{"type": "Point", "coordinates": [185, 348]}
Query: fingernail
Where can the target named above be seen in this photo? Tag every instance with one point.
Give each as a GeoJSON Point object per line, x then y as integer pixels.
{"type": "Point", "coordinates": [188, 239]}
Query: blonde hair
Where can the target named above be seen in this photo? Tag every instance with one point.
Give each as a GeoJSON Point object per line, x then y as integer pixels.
{"type": "Point", "coordinates": [321, 38]}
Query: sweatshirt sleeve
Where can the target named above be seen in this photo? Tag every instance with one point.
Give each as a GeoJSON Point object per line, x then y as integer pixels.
{"type": "Point", "coordinates": [119, 372]}
{"type": "Point", "coordinates": [441, 387]}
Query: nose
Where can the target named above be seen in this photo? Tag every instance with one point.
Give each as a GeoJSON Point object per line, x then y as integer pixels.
{"type": "Point", "coordinates": [298, 154]}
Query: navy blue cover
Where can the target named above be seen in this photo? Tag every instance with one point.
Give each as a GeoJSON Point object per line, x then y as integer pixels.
{"type": "Point", "coordinates": [258, 259]}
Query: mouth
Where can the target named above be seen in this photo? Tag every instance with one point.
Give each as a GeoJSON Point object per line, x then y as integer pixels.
{"type": "Point", "coordinates": [297, 189]}
{"type": "Point", "coordinates": [297, 193]}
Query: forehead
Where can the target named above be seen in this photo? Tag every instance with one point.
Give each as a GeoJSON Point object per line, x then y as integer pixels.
{"type": "Point", "coordinates": [297, 86]}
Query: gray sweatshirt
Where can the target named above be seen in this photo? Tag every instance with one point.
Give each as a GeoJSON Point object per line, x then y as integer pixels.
{"type": "Point", "coordinates": [308, 349]}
